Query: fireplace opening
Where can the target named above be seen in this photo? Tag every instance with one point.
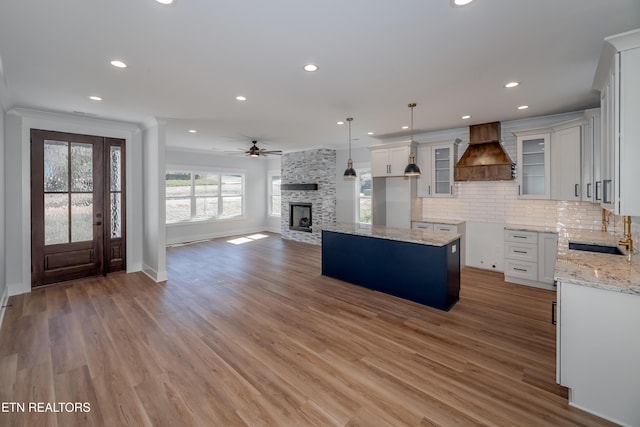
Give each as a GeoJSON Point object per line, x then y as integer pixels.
{"type": "Point", "coordinates": [300, 217]}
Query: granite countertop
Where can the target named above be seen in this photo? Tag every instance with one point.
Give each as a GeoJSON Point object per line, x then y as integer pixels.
{"type": "Point", "coordinates": [440, 221]}
{"type": "Point", "coordinates": [421, 237]}
{"type": "Point", "coordinates": [618, 273]}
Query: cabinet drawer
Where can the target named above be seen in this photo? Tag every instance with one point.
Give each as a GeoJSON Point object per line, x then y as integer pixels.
{"type": "Point", "coordinates": [422, 225]}
{"type": "Point", "coordinates": [521, 251]}
{"type": "Point", "coordinates": [522, 269]}
{"type": "Point", "coordinates": [521, 236]}
{"type": "Point", "coordinates": [445, 227]}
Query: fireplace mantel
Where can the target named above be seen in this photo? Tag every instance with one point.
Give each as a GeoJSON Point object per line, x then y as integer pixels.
{"type": "Point", "coordinates": [299, 187]}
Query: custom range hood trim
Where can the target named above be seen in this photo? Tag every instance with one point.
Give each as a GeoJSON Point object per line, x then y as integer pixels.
{"type": "Point", "coordinates": [485, 158]}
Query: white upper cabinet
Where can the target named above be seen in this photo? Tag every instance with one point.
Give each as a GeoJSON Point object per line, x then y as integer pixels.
{"type": "Point", "coordinates": [388, 161]}
{"type": "Point", "coordinates": [619, 86]}
{"type": "Point", "coordinates": [436, 162]}
{"type": "Point", "coordinates": [533, 164]}
{"type": "Point", "coordinates": [566, 161]}
{"type": "Point", "coordinates": [591, 178]}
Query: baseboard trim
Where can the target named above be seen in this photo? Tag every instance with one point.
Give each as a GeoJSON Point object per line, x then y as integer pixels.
{"type": "Point", "coordinates": [156, 276]}
{"type": "Point", "coordinates": [532, 283]}
{"type": "Point", "coordinates": [3, 302]}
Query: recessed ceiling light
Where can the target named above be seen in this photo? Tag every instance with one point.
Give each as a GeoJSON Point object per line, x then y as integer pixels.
{"type": "Point", "coordinates": [523, 107]}
{"type": "Point", "coordinates": [511, 84]}
{"type": "Point", "coordinates": [118, 63]}
{"type": "Point", "coordinates": [165, 1]}
{"type": "Point", "coordinates": [192, 131]}
{"type": "Point", "coordinates": [311, 68]}
{"type": "Point", "coordinates": [339, 123]}
{"type": "Point", "coordinates": [466, 117]}
{"type": "Point", "coordinates": [458, 3]}
{"type": "Point", "coordinates": [405, 127]}
{"type": "Point", "coordinates": [241, 98]}
{"type": "Point", "coordinates": [95, 98]}
{"type": "Point", "coordinates": [370, 133]}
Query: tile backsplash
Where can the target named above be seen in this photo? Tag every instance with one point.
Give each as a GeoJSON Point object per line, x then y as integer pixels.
{"type": "Point", "coordinates": [497, 201]}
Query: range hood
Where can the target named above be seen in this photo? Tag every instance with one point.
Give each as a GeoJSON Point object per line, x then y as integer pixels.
{"type": "Point", "coordinates": [484, 159]}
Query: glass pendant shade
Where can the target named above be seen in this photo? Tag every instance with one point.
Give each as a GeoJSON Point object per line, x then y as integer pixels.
{"type": "Point", "coordinates": [350, 172]}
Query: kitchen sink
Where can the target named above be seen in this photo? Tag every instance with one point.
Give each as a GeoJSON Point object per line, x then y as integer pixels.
{"type": "Point", "coordinates": [601, 249]}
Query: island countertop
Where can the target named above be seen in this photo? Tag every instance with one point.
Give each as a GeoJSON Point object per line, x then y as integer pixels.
{"type": "Point", "coordinates": [420, 237]}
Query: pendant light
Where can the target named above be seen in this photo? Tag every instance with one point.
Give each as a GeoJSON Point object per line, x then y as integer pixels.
{"type": "Point", "coordinates": [412, 169]}
{"type": "Point", "coordinates": [350, 173]}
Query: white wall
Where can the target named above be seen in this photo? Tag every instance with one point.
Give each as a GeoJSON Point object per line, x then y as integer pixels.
{"type": "Point", "coordinates": [4, 294]}
{"type": "Point", "coordinates": [256, 193]}
{"type": "Point", "coordinates": [154, 236]}
{"type": "Point", "coordinates": [17, 189]}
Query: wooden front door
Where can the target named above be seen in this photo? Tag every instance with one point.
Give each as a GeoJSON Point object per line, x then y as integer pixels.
{"type": "Point", "coordinates": [77, 206]}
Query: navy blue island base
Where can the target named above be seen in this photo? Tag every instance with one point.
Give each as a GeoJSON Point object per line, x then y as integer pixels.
{"type": "Point", "coordinates": [426, 274]}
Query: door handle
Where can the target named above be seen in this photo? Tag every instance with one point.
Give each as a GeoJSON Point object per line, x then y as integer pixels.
{"type": "Point", "coordinates": [605, 193]}
{"type": "Point", "coordinates": [576, 190]}
{"type": "Point", "coordinates": [97, 223]}
{"type": "Point", "coordinates": [553, 312]}
{"type": "Point", "coordinates": [598, 183]}
{"type": "Point", "coordinates": [588, 190]}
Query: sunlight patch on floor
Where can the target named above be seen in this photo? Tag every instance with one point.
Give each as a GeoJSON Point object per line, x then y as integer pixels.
{"type": "Point", "coordinates": [247, 239]}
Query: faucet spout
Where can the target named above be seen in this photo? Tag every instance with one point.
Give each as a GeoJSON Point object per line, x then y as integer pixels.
{"type": "Point", "coordinates": [606, 217]}
{"type": "Point", "coordinates": [627, 240]}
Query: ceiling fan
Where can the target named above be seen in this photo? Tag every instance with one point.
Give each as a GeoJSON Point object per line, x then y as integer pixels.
{"type": "Point", "coordinates": [254, 151]}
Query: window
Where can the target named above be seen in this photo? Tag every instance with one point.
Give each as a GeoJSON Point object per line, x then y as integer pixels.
{"type": "Point", "coordinates": [275, 197]}
{"type": "Point", "coordinates": [363, 199]}
{"type": "Point", "coordinates": [193, 196]}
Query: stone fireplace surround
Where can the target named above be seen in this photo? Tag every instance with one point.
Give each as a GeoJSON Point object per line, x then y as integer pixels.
{"type": "Point", "coordinates": [309, 167]}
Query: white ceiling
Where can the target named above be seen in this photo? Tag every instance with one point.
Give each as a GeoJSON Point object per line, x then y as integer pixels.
{"type": "Point", "coordinates": [188, 62]}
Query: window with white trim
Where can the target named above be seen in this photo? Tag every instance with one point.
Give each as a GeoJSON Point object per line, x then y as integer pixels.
{"type": "Point", "coordinates": [194, 195]}
{"type": "Point", "coordinates": [363, 195]}
{"type": "Point", "coordinates": [275, 195]}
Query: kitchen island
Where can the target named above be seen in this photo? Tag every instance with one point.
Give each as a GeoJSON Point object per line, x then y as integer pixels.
{"type": "Point", "coordinates": [417, 265]}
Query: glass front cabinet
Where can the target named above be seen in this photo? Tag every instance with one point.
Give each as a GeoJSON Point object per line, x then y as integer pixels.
{"type": "Point", "coordinates": [533, 165]}
{"type": "Point", "coordinates": [436, 162]}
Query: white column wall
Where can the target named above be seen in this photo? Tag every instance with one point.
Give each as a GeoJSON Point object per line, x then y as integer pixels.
{"type": "Point", "coordinates": [154, 239]}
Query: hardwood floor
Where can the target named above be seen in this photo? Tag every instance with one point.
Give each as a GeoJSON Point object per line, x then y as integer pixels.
{"type": "Point", "coordinates": [252, 334]}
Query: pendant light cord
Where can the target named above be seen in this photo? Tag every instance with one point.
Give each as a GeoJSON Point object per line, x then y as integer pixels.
{"type": "Point", "coordinates": [350, 119]}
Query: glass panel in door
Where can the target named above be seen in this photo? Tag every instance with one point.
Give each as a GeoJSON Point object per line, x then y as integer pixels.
{"type": "Point", "coordinates": [442, 171]}
{"type": "Point", "coordinates": [533, 179]}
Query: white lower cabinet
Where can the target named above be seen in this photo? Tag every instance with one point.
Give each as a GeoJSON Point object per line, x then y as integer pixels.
{"type": "Point", "coordinates": [598, 349]}
{"type": "Point", "coordinates": [459, 228]}
{"type": "Point", "coordinates": [530, 257]}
